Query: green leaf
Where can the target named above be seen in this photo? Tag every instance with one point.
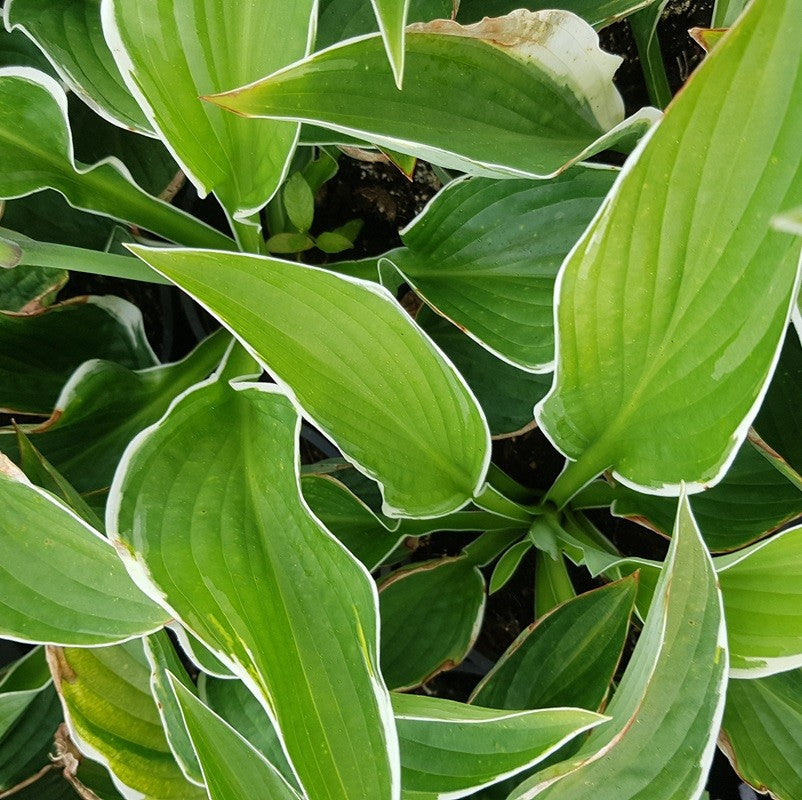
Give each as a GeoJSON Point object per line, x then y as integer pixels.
{"type": "Point", "coordinates": [232, 768]}
{"type": "Point", "coordinates": [527, 95]}
{"type": "Point", "coordinates": [165, 667]}
{"type": "Point", "coordinates": [41, 157]}
{"type": "Point", "coordinates": [366, 535]}
{"type": "Point", "coordinates": [113, 717]}
{"type": "Point", "coordinates": [233, 701]}
{"type": "Point", "coordinates": [753, 499]}
{"type": "Point", "coordinates": [104, 405]}
{"type": "Point", "coordinates": [485, 253]}
{"type": "Point", "coordinates": [567, 658]}
{"type": "Point", "coordinates": [91, 602]}
{"type": "Point", "coordinates": [726, 12]}
{"type": "Point", "coordinates": [199, 654]}
{"type": "Point", "coordinates": [598, 13]}
{"type": "Point", "coordinates": [242, 162]}
{"type": "Point", "coordinates": [507, 565]}
{"type": "Point", "coordinates": [20, 683]}
{"type": "Point", "coordinates": [69, 34]}
{"type": "Point", "coordinates": [332, 242]}
{"type": "Point", "coordinates": [289, 243]}
{"type": "Point", "coordinates": [552, 583]}
{"type": "Point", "coordinates": [392, 18]}
{"type": "Point", "coordinates": [507, 394]}
{"type": "Point", "coordinates": [344, 19]}
{"type": "Point", "coordinates": [667, 708]}
{"type": "Point", "coordinates": [299, 202]}
{"type": "Point", "coordinates": [309, 654]}
{"type": "Point", "coordinates": [407, 420]}
{"type": "Point", "coordinates": [453, 750]}
{"type": "Point", "coordinates": [29, 289]}
{"type": "Point", "coordinates": [663, 358]}
{"type": "Point", "coordinates": [39, 351]}
{"type": "Point", "coordinates": [762, 589]}
{"type": "Point", "coordinates": [762, 732]}
{"type": "Point", "coordinates": [417, 646]}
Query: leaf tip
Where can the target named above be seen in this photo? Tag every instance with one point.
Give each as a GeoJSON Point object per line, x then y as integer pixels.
{"type": "Point", "coordinates": [10, 254]}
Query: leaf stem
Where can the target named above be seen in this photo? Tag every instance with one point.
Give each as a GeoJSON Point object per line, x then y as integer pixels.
{"type": "Point", "coordinates": [578, 474]}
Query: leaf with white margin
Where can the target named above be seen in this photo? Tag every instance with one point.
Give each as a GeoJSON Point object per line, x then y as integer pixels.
{"type": "Point", "coordinates": [392, 18]}
{"type": "Point", "coordinates": [166, 666]}
{"type": "Point", "coordinates": [485, 254]}
{"type": "Point", "coordinates": [527, 94]}
{"type": "Point", "coordinates": [664, 357]}
{"type": "Point", "coordinates": [199, 654]}
{"type": "Point", "coordinates": [20, 683]}
{"type": "Point", "coordinates": [598, 13]}
{"type": "Point", "coordinates": [232, 767]}
{"type": "Point", "coordinates": [68, 32]}
{"type": "Point", "coordinates": [406, 419]}
{"type": "Point", "coordinates": [222, 44]}
{"type": "Point", "coordinates": [453, 750]}
{"type": "Point", "coordinates": [762, 589]}
{"type": "Point", "coordinates": [113, 719]}
{"type": "Point", "coordinates": [761, 733]}
{"type": "Point", "coordinates": [40, 156]}
{"type": "Point", "coordinates": [197, 494]}
{"type": "Point", "coordinates": [60, 580]}
{"type": "Point", "coordinates": [668, 705]}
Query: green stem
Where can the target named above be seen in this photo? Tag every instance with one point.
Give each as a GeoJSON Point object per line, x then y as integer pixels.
{"type": "Point", "coordinates": [552, 583]}
{"type": "Point", "coordinates": [456, 521]}
{"type": "Point", "coordinates": [490, 499]}
{"type": "Point", "coordinates": [59, 256]}
{"type": "Point", "coordinates": [644, 29]}
{"type": "Point", "coordinates": [577, 474]}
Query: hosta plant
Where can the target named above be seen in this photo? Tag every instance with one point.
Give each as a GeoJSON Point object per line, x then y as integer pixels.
{"type": "Point", "coordinates": [199, 611]}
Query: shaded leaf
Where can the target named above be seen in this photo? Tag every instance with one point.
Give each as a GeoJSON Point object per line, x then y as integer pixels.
{"type": "Point", "coordinates": [598, 13]}
{"type": "Point", "coordinates": [392, 18]}
{"type": "Point", "coordinates": [408, 421]}
{"type": "Point", "coordinates": [20, 683]}
{"type": "Point", "coordinates": [662, 357]}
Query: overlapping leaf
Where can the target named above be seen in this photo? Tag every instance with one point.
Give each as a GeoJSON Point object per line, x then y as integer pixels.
{"type": "Point", "coordinates": [43, 158]}
{"type": "Point", "coordinates": [451, 750]}
{"type": "Point", "coordinates": [762, 589]}
{"type": "Point", "coordinates": [223, 44]}
{"type": "Point", "coordinates": [762, 732]}
{"type": "Point", "coordinates": [485, 254]}
{"type": "Point", "coordinates": [20, 683]}
{"type": "Point", "coordinates": [662, 356]}
{"type": "Point", "coordinates": [406, 418]}
{"type": "Point", "coordinates": [113, 717]}
{"type": "Point", "coordinates": [567, 658]}
{"type": "Point", "coordinates": [596, 13]}
{"type": "Point", "coordinates": [60, 581]}
{"type": "Point", "coordinates": [69, 34]}
{"type": "Point", "coordinates": [39, 351]}
{"type": "Point", "coordinates": [667, 707]}
{"type": "Point", "coordinates": [527, 94]}
{"type": "Point", "coordinates": [309, 654]}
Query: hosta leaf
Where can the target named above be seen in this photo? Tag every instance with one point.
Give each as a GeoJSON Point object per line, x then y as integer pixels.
{"type": "Point", "coordinates": [408, 420]}
{"type": "Point", "coordinates": [104, 405]}
{"type": "Point", "coordinates": [416, 646]}
{"type": "Point", "coordinates": [485, 254]}
{"type": "Point", "coordinates": [344, 19]}
{"type": "Point", "coordinates": [113, 718]}
{"type": "Point", "coordinates": [762, 732]}
{"type": "Point", "coordinates": [392, 18]}
{"type": "Point", "coordinates": [552, 583]}
{"type": "Point", "coordinates": [26, 746]}
{"type": "Point", "coordinates": [232, 700]}
{"type": "Point", "coordinates": [507, 394]}
{"type": "Point", "coordinates": [242, 162]}
{"type": "Point", "coordinates": [350, 520]}
{"type": "Point", "coordinates": [232, 768]}
{"type": "Point", "coordinates": [663, 357]}
{"type": "Point", "coordinates": [308, 653]}
{"type": "Point", "coordinates": [60, 580]}
{"type": "Point", "coordinates": [567, 658]}
{"type": "Point", "coordinates": [69, 34]}
{"type": "Point", "coordinates": [507, 565]}
{"type": "Point", "coordinates": [29, 289]}
{"type": "Point", "coordinates": [199, 654]}
{"type": "Point", "coordinates": [595, 12]}
{"type": "Point", "coordinates": [753, 499]}
{"type": "Point", "coordinates": [452, 749]}
{"type": "Point", "coordinates": [39, 351]}
{"type": "Point", "coordinates": [668, 705]}
{"type": "Point", "coordinates": [19, 685]}
{"type": "Point", "coordinates": [762, 589]}
{"type": "Point", "coordinates": [43, 158]}
{"type": "Point", "coordinates": [527, 94]}
{"type": "Point", "coordinates": [165, 667]}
